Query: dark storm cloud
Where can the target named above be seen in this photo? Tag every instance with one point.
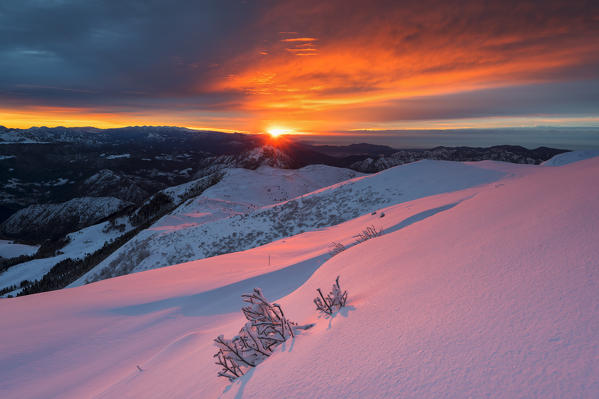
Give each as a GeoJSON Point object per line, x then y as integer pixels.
{"type": "Point", "coordinates": [565, 98]}
{"type": "Point", "coordinates": [114, 48]}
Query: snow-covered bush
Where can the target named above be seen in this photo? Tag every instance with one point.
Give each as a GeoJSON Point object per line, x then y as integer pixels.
{"type": "Point", "coordinates": [268, 319]}
{"type": "Point", "coordinates": [266, 328]}
{"type": "Point", "coordinates": [334, 301]}
{"type": "Point", "coordinates": [368, 233]}
{"type": "Point", "coordinates": [336, 248]}
{"type": "Point", "coordinates": [229, 356]}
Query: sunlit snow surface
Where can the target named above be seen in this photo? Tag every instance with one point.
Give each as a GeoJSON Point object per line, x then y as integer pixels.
{"type": "Point", "coordinates": [488, 291]}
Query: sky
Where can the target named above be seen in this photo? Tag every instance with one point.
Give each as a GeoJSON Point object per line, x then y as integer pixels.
{"type": "Point", "coordinates": [307, 66]}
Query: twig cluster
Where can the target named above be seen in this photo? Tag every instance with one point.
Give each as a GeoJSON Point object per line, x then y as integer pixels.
{"type": "Point", "coordinates": [266, 328]}
{"type": "Point", "coordinates": [334, 301]}
{"type": "Point", "coordinates": [368, 233]}
{"type": "Point", "coordinates": [336, 248]}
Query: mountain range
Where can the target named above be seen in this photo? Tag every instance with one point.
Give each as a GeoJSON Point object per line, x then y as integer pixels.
{"type": "Point", "coordinates": [52, 165]}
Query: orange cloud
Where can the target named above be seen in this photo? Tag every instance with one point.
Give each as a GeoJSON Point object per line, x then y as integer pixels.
{"type": "Point", "coordinates": [318, 66]}
{"type": "Point", "coordinates": [371, 59]}
{"type": "Point", "coordinates": [300, 39]}
{"type": "Point", "coordinates": [301, 49]}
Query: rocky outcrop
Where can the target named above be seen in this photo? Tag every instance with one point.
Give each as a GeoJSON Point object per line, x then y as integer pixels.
{"type": "Point", "coordinates": [260, 156]}
{"type": "Point", "coordinates": [108, 183]}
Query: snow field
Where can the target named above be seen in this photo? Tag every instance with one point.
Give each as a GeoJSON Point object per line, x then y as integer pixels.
{"type": "Point", "coordinates": [485, 291]}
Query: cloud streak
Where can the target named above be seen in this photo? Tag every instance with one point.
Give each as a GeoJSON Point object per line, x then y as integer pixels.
{"type": "Point", "coordinates": [299, 39]}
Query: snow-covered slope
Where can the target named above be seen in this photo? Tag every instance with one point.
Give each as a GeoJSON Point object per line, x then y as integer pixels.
{"type": "Point", "coordinates": [486, 292]}
{"type": "Point", "coordinates": [265, 155]}
{"type": "Point", "coordinates": [245, 210]}
{"type": "Point", "coordinates": [572, 156]}
{"type": "Point", "coordinates": [493, 298]}
{"type": "Point", "coordinates": [10, 249]}
{"type": "Point", "coordinates": [54, 220]}
{"type": "Point", "coordinates": [119, 185]}
{"type": "Point", "coordinates": [80, 244]}
{"type": "Point", "coordinates": [241, 191]}
{"type": "Point", "coordinates": [203, 226]}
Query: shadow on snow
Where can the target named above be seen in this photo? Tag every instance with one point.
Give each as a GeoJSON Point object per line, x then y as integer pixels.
{"type": "Point", "coordinates": [276, 284]}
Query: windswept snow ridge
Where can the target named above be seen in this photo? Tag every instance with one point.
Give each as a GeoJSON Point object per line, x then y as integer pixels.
{"type": "Point", "coordinates": [572, 156]}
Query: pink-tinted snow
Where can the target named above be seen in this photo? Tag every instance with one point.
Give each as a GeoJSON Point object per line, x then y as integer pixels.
{"type": "Point", "coordinates": [485, 292]}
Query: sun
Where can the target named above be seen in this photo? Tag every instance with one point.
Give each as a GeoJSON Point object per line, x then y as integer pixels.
{"type": "Point", "coordinates": [277, 131]}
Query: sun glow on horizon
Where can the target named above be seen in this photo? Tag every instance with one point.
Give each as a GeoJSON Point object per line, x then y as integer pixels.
{"type": "Point", "coordinates": [277, 131]}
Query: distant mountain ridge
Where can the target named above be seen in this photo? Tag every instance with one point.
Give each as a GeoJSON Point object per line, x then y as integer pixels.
{"type": "Point", "coordinates": [44, 165]}
{"type": "Point", "coordinates": [503, 153]}
{"type": "Point", "coordinates": [54, 165]}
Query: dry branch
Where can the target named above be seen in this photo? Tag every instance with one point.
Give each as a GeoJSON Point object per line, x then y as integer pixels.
{"type": "Point", "coordinates": [266, 328]}
{"type": "Point", "coordinates": [334, 301]}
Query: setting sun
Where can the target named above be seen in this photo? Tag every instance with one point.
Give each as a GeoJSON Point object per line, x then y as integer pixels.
{"type": "Point", "coordinates": [276, 132]}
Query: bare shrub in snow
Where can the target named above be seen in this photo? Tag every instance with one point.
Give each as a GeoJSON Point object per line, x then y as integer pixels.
{"type": "Point", "coordinates": [336, 248]}
{"type": "Point", "coordinates": [266, 328]}
{"type": "Point", "coordinates": [334, 301]}
{"type": "Point", "coordinates": [368, 233]}
{"type": "Point", "coordinates": [266, 319]}
{"type": "Point", "coordinates": [229, 356]}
